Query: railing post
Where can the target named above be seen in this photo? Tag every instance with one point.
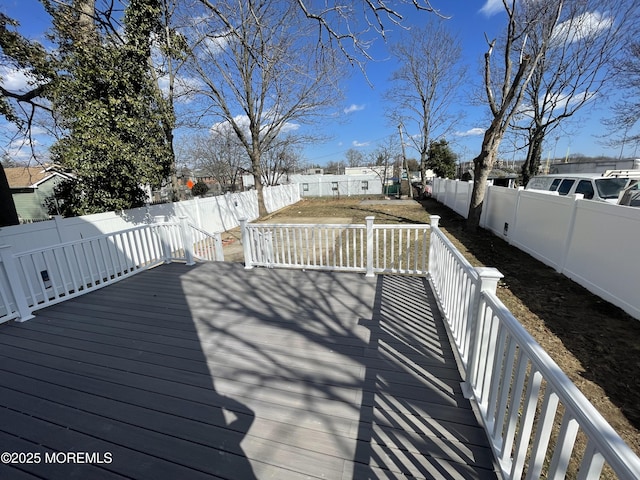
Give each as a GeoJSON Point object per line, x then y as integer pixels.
{"type": "Point", "coordinates": [433, 221]}
{"type": "Point", "coordinates": [164, 241]}
{"type": "Point", "coordinates": [187, 240]}
{"type": "Point", "coordinates": [217, 246]}
{"type": "Point", "coordinates": [369, 221]}
{"type": "Point", "coordinates": [488, 278]}
{"type": "Point", "coordinates": [246, 244]}
{"type": "Point", "coordinates": [15, 285]}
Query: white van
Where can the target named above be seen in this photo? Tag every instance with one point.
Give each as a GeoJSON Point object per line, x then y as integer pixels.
{"type": "Point", "coordinates": [606, 187]}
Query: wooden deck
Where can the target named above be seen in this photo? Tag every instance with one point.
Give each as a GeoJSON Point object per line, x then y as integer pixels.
{"type": "Point", "coordinates": [214, 371]}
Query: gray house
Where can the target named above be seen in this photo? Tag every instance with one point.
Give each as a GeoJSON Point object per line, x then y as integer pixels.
{"type": "Point", "coordinates": [30, 188]}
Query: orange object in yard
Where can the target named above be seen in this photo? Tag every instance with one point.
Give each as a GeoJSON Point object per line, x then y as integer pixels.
{"type": "Point", "coordinates": [190, 184]}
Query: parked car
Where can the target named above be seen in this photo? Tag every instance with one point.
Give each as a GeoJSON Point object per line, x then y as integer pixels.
{"type": "Point", "coordinates": [607, 187]}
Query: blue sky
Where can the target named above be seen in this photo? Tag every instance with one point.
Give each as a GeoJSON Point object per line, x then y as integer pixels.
{"type": "Point", "coordinates": [363, 123]}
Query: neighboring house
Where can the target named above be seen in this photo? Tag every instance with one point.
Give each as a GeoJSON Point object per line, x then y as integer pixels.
{"type": "Point", "coordinates": [336, 185]}
{"type": "Point", "coordinates": [30, 188]}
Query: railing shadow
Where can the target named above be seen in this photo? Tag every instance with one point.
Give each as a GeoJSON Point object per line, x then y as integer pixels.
{"type": "Point", "coordinates": [414, 418]}
{"type": "Point", "coordinates": [378, 398]}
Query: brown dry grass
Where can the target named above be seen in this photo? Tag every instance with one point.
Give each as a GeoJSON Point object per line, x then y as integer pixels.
{"type": "Point", "coordinates": [595, 343]}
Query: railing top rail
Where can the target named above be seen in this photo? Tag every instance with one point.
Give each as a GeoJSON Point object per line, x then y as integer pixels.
{"type": "Point", "coordinates": [391, 226]}
{"type": "Point", "coordinates": [460, 259]}
{"type": "Point", "coordinates": [210, 234]}
{"type": "Point", "coordinates": [616, 452]}
{"type": "Point", "coordinates": [307, 225]}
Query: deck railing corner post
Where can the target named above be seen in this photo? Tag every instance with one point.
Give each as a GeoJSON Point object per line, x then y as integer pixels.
{"type": "Point", "coordinates": [187, 240]}
{"type": "Point", "coordinates": [434, 221]}
{"type": "Point", "coordinates": [246, 243]}
{"type": "Point", "coordinates": [488, 278]}
{"type": "Point", "coordinates": [15, 286]}
{"type": "Point", "coordinates": [165, 245]}
{"type": "Point", "coordinates": [369, 223]}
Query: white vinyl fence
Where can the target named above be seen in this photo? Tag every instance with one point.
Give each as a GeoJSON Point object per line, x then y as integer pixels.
{"type": "Point", "coordinates": [532, 412]}
{"type": "Point", "coordinates": [211, 214]}
{"type": "Point", "coordinates": [593, 243]}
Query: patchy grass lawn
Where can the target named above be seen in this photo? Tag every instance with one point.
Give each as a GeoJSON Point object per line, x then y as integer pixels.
{"type": "Point", "coordinates": [595, 343]}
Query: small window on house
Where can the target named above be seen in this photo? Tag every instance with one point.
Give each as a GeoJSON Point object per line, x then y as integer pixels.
{"type": "Point", "coordinates": [365, 185]}
{"type": "Point", "coordinates": [305, 187]}
{"type": "Point", "coordinates": [334, 186]}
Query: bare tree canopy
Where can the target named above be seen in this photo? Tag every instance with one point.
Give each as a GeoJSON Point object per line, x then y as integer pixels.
{"type": "Point", "coordinates": [218, 154]}
{"type": "Point", "coordinates": [425, 86]}
{"type": "Point", "coordinates": [627, 110]}
{"type": "Point", "coordinates": [265, 77]}
{"type": "Point", "coordinates": [575, 69]}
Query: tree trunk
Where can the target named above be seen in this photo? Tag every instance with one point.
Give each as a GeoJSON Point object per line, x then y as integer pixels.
{"type": "Point", "coordinates": [423, 172]}
{"type": "Point", "coordinates": [8, 213]}
{"type": "Point", "coordinates": [534, 155]}
{"type": "Point", "coordinates": [483, 164]}
{"type": "Point", "coordinates": [256, 169]}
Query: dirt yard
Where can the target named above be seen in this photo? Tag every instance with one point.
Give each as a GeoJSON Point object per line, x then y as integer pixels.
{"type": "Point", "coordinates": [595, 343]}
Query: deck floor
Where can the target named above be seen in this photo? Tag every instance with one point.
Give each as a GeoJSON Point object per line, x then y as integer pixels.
{"type": "Point", "coordinates": [214, 371]}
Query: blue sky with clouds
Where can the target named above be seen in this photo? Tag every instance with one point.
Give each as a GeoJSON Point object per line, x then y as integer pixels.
{"type": "Point", "coordinates": [363, 123]}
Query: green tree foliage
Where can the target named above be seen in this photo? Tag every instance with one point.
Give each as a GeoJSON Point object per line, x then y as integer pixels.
{"type": "Point", "coordinates": [200, 188]}
{"type": "Point", "coordinates": [441, 159]}
{"type": "Point", "coordinates": [108, 102]}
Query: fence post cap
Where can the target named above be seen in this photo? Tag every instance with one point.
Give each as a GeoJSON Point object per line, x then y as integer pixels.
{"type": "Point", "coordinates": [489, 278]}
{"type": "Point", "coordinates": [434, 219]}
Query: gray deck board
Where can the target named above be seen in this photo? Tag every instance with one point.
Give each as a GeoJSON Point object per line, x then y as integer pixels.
{"type": "Point", "coordinates": [214, 371]}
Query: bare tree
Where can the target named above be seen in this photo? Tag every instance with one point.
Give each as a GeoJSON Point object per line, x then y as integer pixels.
{"type": "Point", "coordinates": [627, 110]}
{"type": "Point", "coordinates": [383, 156]}
{"type": "Point", "coordinates": [574, 67]}
{"type": "Point", "coordinates": [219, 155]}
{"type": "Point", "coordinates": [265, 77]}
{"type": "Point", "coordinates": [354, 158]}
{"type": "Point", "coordinates": [505, 95]}
{"type": "Point", "coordinates": [425, 86]}
{"type": "Point", "coordinates": [279, 160]}
{"type": "Point", "coordinates": [349, 26]}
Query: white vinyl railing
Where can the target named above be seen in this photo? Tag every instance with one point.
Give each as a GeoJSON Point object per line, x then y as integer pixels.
{"type": "Point", "coordinates": [41, 277]}
{"type": "Point", "coordinates": [365, 248]}
{"type": "Point", "coordinates": [538, 422]}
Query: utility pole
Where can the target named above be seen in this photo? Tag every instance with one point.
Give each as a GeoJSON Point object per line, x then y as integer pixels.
{"type": "Point", "coordinates": [406, 165]}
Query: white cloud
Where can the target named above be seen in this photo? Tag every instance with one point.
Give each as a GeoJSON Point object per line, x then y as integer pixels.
{"type": "Point", "coordinates": [473, 132]}
{"type": "Point", "coordinates": [356, 143]}
{"type": "Point", "coordinates": [15, 80]}
{"type": "Point", "coordinates": [587, 25]}
{"type": "Point", "coordinates": [353, 108]}
{"type": "Point", "coordinates": [243, 122]}
{"type": "Point", "coordinates": [491, 7]}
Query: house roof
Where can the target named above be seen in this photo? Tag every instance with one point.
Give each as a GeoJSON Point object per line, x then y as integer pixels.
{"type": "Point", "coordinates": [30, 177]}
